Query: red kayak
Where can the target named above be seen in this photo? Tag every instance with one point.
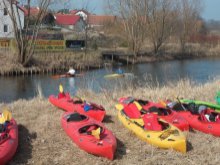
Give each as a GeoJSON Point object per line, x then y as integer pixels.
{"type": "Point", "coordinates": [66, 75]}
{"type": "Point", "coordinates": [200, 118]}
{"type": "Point", "coordinates": [8, 142]}
{"type": "Point", "coordinates": [80, 129]}
{"type": "Point", "coordinates": [168, 115]}
{"type": "Point", "coordinates": [66, 103]}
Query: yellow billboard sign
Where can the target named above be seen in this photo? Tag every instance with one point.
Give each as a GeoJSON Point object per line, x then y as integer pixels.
{"type": "Point", "coordinates": [50, 45]}
{"type": "Point", "coordinates": [4, 43]}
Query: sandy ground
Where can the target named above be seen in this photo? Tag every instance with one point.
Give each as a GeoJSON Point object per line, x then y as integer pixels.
{"type": "Point", "coordinates": [42, 140]}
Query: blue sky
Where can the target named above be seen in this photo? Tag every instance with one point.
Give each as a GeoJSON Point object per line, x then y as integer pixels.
{"type": "Point", "coordinates": [211, 7]}
{"type": "Point", "coordinates": [94, 6]}
{"type": "Point", "coordinates": [211, 10]}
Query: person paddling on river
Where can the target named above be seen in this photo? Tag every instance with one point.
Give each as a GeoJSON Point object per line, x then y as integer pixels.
{"type": "Point", "coordinates": [71, 72]}
{"type": "Point", "coordinates": [120, 71]}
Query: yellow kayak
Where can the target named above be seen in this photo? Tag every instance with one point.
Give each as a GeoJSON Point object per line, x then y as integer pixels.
{"type": "Point", "coordinates": [115, 75]}
{"type": "Point", "coordinates": [169, 137]}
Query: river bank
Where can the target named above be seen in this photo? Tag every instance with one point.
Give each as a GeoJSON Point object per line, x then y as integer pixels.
{"type": "Point", "coordinates": [59, 62]}
{"type": "Point", "coordinates": [43, 141]}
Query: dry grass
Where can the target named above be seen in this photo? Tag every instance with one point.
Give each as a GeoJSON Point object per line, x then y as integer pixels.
{"type": "Point", "coordinates": [51, 60]}
{"type": "Point", "coordinates": [42, 140]}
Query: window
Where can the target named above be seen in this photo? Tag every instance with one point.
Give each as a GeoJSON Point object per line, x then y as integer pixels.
{"type": "Point", "coordinates": [5, 28]}
{"type": "Point", "coordinates": [5, 11]}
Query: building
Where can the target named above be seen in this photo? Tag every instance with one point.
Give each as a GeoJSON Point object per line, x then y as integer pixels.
{"type": "Point", "coordinates": [94, 21]}
{"type": "Point", "coordinates": [34, 11]}
{"type": "Point", "coordinates": [97, 21]}
{"type": "Point", "coordinates": [6, 24]}
{"type": "Point", "coordinates": [82, 13]}
{"type": "Point", "coordinates": [69, 22]}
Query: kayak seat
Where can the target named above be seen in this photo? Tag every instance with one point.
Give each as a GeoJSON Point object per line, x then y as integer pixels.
{"type": "Point", "coordinates": [156, 110]}
{"type": "Point", "coordinates": [203, 118]}
{"type": "Point", "coordinates": [151, 122]}
{"type": "Point", "coordinates": [212, 117]}
{"type": "Point", "coordinates": [142, 102]}
{"type": "Point", "coordinates": [88, 129]}
{"type": "Point", "coordinates": [209, 116]}
{"type": "Point", "coordinates": [77, 101]}
{"type": "Point", "coordinates": [2, 128]}
{"type": "Point", "coordinates": [177, 107]}
{"type": "Point", "coordinates": [92, 127]}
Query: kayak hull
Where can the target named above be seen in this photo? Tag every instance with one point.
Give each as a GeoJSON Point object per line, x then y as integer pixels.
{"type": "Point", "coordinates": [9, 146]}
{"type": "Point", "coordinates": [171, 117]}
{"type": "Point", "coordinates": [168, 115]}
{"type": "Point", "coordinates": [165, 139]}
{"type": "Point", "coordinates": [114, 75]}
{"type": "Point", "coordinates": [66, 76]}
{"type": "Point", "coordinates": [196, 122]}
{"type": "Point", "coordinates": [104, 147]}
{"type": "Point", "coordinates": [208, 104]}
{"type": "Point", "coordinates": [68, 104]}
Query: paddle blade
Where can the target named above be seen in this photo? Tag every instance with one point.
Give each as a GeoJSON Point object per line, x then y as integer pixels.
{"type": "Point", "coordinates": [119, 107]}
{"type": "Point", "coordinates": [61, 88]}
{"type": "Point", "coordinates": [96, 133]}
{"type": "Point", "coordinates": [2, 119]}
{"type": "Point", "coordinates": [7, 115]}
{"type": "Point", "coordinates": [163, 103]}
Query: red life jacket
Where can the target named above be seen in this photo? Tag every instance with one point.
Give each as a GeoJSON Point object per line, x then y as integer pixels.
{"type": "Point", "coordinates": [151, 122]}
{"type": "Point", "coordinates": [132, 111]}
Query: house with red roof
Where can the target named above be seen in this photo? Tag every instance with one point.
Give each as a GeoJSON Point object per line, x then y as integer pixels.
{"type": "Point", "coordinates": [94, 21]}
{"type": "Point", "coordinates": [82, 13]}
{"type": "Point", "coordinates": [34, 11]}
{"type": "Point", "coordinates": [69, 22]}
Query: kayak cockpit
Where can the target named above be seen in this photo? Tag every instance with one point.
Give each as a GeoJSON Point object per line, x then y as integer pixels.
{"type": "Point", "coordinates": [75, 117]}
{"type": "Point", "coordinates": [88, 129]}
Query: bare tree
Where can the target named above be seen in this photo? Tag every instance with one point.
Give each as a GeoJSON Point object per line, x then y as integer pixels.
{"type": "Point", "coordinates": [85, 14]}
{"type": "Point", "coordinates": [25, 36]}
{"type": "Point", "coordinates": [188, 15]}
{"type": "Point", "coordinates": [160, 21]}
{"type": "Point", "coordinates": [132, 15]}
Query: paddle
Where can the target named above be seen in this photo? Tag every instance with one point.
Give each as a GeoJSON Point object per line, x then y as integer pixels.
{"type": "Point", "coordinates": [6, 116]}
{"type": "Point", "coordinates": [163, 103]}
{"type": "Point", "coordinates": [80, 98]}
{"type": "Point", "coordinates": [61, 88]}
{"type": "Point", "coordinates": [181, 104]}
{"type": "Point", "coordinates": [217, 97]}
{"type": "Point", "coordinates": [96, 133]}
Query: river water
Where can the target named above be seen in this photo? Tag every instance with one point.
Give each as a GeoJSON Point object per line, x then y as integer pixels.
{"type": "Point", "coordinates": [156, 73]}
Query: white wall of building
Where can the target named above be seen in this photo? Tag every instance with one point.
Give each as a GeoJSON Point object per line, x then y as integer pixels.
{"type": "Point", "coordinates": [82, 14]}
{"type": "Point", "coordinates": [6, 26]}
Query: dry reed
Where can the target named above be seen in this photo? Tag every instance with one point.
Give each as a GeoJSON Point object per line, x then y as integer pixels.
{"type": "Point", "coordinates": [43, 141]}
